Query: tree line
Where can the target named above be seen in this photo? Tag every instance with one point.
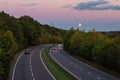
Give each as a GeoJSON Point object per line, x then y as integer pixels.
{"type": "Point", "coordinates": [20, 33]}
{"type": "Point", "coordinates": [94, 46]}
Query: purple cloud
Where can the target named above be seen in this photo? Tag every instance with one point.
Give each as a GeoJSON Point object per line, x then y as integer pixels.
{"type": "Point", "coordinates": [96, 5]}
{"type": "Point", "coordinates": [67, 6]}
{"type": "Point", "coordinates": [27, 5]}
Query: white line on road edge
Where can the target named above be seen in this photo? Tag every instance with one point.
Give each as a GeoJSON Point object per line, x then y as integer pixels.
{"type": "Point", "coordinates": [45, 66]}
{"type": "Point", "coordinates": [13, 75]}
{"type": "Point", "coordinates": [64, 67]}
{"type": "Point", "coordinates": [31, 65]}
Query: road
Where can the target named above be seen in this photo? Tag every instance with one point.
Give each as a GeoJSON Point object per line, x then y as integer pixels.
{"type": "Point", "coordinates": [31, 67]}
{"type": "Point", "coordinates": [77, 68]}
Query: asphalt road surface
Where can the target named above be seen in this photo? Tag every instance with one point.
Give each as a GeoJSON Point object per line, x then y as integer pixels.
{"type": "Point", "coordinates": [78, 69]}
{"type": "Point", "coordinates": [31, 67]}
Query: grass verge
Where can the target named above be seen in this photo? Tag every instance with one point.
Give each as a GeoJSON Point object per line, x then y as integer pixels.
{"type": "Point", "coordinates": [54, 68]}
{"type": "Point", "coordinates": [116, 74]}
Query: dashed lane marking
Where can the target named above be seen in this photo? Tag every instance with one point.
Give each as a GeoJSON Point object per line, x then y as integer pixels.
{"type": "Point", "coordinates": [31, 65]}
{"type": "Point", "coordinates": [45, 65]}
{"type": "Point", "coordinates": [98, 78]}
{"type": "Point", "coordinates": [13, 75]}
{"type": "Point", "coordinates": [82, 69]}
{"type": "Point", "coordinates": [89, 73]}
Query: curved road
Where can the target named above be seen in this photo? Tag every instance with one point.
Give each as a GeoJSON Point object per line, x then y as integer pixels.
{"type": "Point", "coordinates": [31, 67]}
{"type": "Point", "coordinates": [79, 70]}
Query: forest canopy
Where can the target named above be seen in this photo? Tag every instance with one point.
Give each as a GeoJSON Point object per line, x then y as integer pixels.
{"type": "Point", "coordinates": [103, 49]}
{"type": "Point", "coordinates": [20, 33]}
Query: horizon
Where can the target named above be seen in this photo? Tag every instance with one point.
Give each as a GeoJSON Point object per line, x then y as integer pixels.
{"type": "Point", "coordinates": [101, 15]}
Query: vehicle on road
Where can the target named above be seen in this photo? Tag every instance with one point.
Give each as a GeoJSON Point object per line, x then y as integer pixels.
{"type": "Point", "coordinates": [55, 48]}
{"type": "Point", "coordinates": [26, 52]}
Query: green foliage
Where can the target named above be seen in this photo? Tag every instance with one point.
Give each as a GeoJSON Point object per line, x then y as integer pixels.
{"type": "Point", "coordinates": [54, 68]}
{"type": "Point", "coordinates": [8, 42]}
{"type": "Point", "coordinates": [67, 38]}
{"type": "Point", "coordinates": [95, 47]}
{"type": "Point", "coordinates": [19, 33]}
{"type": "Point", "coordinates": [2, 71]}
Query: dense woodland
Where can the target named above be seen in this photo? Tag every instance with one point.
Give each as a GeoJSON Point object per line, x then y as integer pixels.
{"type": "Point", "coordinates": [19, 33]}
{"type": "Point", "coordinates": [101, 48]}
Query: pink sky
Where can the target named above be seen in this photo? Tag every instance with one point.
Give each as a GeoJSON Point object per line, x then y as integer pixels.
{"type": "Point", "coordinates": [47, 11]}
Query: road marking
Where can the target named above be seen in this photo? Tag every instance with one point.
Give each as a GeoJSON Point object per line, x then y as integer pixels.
{"type": "Point", "coordinates": [89, 73]}
{"type": "Point", "coordinates": [31, 63]}
{"type": "Point", "coordinates": [32, 75]}
{"type": "Point", "coordinates": [13, 75]}
{"type": "Point", "coordinates": [77, 77]}
{"type": "Point", "coordinates": [98, 78]}
{"type": "Point", "coordinates": [33, 78]}
{"type": "Point", "coordinates": [45, 65]}
{"type": "Point", "coordinates": [81, 69]}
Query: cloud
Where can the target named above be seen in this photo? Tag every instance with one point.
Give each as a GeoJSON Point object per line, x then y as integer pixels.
{"type": "Point", "coordinates": [27, 5]}
{"type": "Point", "coordinates": [67, 6]}
{"type": "Point", "coordinates": [96, 5]}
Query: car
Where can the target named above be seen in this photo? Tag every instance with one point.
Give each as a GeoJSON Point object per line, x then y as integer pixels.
{"type": "Point", "coordinates": [26, 52]}
{"type": "Point", "coordinates": [55, 48]}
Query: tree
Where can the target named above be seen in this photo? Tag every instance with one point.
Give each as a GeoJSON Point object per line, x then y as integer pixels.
{"type": "Point", "coordinates": [8, 43]}
{"type": "Point", "coordinates": [67, 38]}
{"type": "Point", "coordinates": [2, 70]}
{"type": "Point", "coordinates": [20, 33]}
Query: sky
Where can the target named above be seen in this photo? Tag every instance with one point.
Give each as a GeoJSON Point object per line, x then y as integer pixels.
{"type": "Point", "coordinates": [101, 15]}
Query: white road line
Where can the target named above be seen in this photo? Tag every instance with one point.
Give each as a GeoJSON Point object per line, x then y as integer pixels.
{"type": "Point", "coordinates": [81, 69]}
{"type": "Point", "coordinates": [65, 68]}
{"type": "Point", "coordinates": [33, 78]}
{"type": "Point", "coordinates": [89, 73]}
{"type": "Point", "coordinates": [13, 75]}
{"type": "Point", "coordinates": [98, 78]}
{"type": "Point", "coordinates": [31, 63]}
{"type": "Point", "coordinates": [46, 66]}
{"type": "Point", "coordinates": [32, 75]}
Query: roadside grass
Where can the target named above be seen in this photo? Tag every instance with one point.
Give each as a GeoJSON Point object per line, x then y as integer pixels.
{"type": "Point", "coordinates": [116, 74]}
{"type": "Point", "coordinates": [54, 68]}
